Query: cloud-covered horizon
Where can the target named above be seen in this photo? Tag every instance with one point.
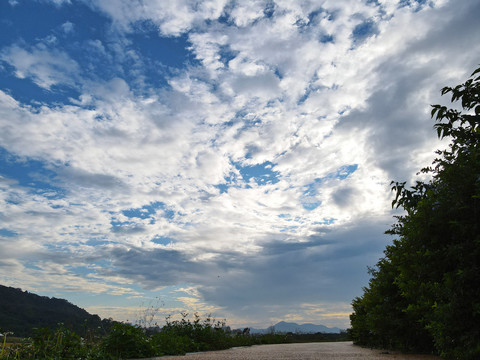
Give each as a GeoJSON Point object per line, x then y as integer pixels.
{"type": "Point", "coordinates": [227, 157]}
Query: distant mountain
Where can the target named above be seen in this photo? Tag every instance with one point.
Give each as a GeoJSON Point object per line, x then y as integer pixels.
{"type": "Point", "coordinates": [284, 327]}
{"type": "Point", "coordinates": [21, 312]}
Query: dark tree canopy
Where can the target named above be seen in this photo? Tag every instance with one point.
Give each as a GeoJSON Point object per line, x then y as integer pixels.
{"type": "Point", "coordinates": [21, 312]}
{"type": "Point", "coordinates": [424, 295]}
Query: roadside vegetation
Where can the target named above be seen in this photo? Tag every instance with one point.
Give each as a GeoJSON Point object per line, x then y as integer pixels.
{"type": "Point", "coordinates": [424, 295]}
{"type": "Point", "coordinates": [126, 341]}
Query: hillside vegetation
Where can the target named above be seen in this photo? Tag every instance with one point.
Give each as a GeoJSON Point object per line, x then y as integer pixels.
{"type": "Point", "coordinates": [424, 295]}
{"type": "Point", "coordinates": [21, 312]}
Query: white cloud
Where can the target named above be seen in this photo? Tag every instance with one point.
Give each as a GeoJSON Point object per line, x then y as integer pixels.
{"type": "Point", "coordinates": [68, 27]}
{"type": "Point", "coordinates": [46, 67]}
{"type": "Point", "coordinates": [245, 13]}
{"type": "Point", "coordinates": [172, 18]}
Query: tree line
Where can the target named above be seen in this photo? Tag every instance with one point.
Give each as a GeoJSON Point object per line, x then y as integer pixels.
{"type": "Point", "coordinates": [424, 294]}
{"type": "Point", "coordinates": [22, 311]}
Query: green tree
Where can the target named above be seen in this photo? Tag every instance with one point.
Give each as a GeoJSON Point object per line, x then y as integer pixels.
{"type": "Point", "coordinates": [425, 293]}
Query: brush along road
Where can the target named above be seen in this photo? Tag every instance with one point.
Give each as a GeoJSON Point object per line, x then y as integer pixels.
{"type": "Point", "coordinates": [309, 351]}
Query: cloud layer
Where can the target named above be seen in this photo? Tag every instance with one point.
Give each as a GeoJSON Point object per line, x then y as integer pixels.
{"type": "Point", "coordinates": [231, 158]}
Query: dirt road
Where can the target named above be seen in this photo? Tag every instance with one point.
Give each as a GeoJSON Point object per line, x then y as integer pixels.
{"type": "Point", "coordinates": [310, 351]}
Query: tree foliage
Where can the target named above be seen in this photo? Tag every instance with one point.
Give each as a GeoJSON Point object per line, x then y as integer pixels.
{"type": "Point", "coordinates": [424, 295]}
{"type": "Point", "coordinates": [22, 311]}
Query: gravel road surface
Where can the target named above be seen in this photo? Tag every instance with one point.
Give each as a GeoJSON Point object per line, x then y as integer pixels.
{"type": "Point", "coordinates": [309, 351]}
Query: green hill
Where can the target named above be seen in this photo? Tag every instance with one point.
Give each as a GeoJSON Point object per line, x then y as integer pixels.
{"type": "Point", "coordinates": [21, 312]}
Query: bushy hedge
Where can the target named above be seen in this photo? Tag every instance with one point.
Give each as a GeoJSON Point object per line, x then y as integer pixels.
{"type": "Point", "coordinates": [424, 295]}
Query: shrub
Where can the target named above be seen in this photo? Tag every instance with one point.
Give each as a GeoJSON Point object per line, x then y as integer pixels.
{"type": "Point", "coordinates": [127, 341]}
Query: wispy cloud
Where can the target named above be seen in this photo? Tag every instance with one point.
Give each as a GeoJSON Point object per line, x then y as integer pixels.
{"type": "Point", "coordinates": [46, 67]}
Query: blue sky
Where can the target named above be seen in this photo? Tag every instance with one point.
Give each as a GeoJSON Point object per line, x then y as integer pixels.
{"type": "Point", "coordinates": [225, 157]}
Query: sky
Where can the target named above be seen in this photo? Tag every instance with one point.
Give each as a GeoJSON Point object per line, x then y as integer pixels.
{"type": "Point", "coordinates": [216, 156]}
